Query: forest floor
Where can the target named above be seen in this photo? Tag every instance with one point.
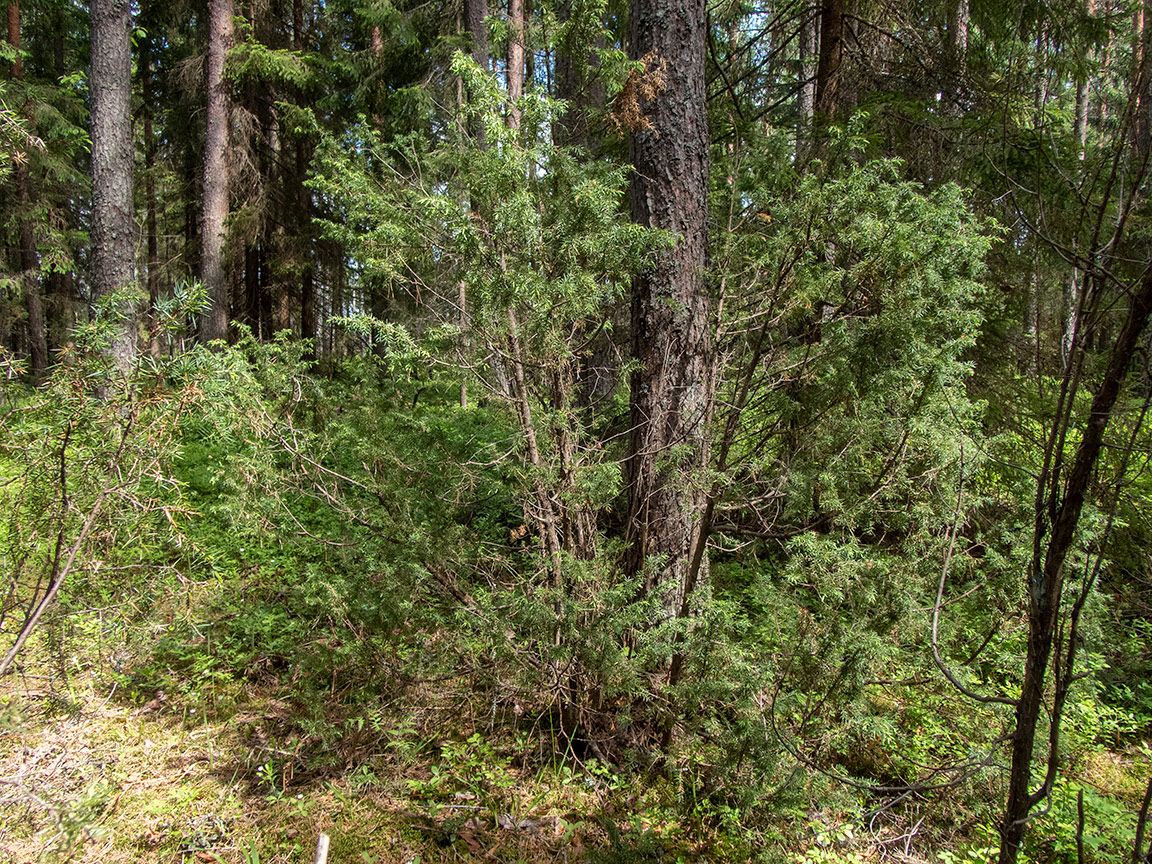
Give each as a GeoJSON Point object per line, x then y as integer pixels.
{"type": "Point", "coordinates": [91, 778]}
{"type": "Point", "coordinates": [93, 772]}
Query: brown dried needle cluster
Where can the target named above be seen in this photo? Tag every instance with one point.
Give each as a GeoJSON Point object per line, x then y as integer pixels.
{"type": "Point", "coordinates": [642, 87]}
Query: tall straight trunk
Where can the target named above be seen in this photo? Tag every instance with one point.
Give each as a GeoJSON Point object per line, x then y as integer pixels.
{"type": "Point", "coordinates": [268, 308]}
{"type": "Point", "coordinates": [252, 289]}
{"type": "Point", "coordinates": [1072, 294]}
{"type": "Point", "coordinates": [29, 260]}
{"type": "Point", "coordinates": [14, 38]}
{"type": "Point", "coordinates": [957, 46]}
{"type": "Point", "coordinates": [830, 60]}
{"type": "Point", "coordinates": [214, 205]}
{"type": "Point", "coordinates": [113, 225]}
{"type": "Point", "coordinates": [145, 66]}
{"type": "Point", "coordinates": [806, 107]}
{"type": "Point", "coordinates": [1142, 128]}
{"type": "Point", "coordinates": [304, 198]}
{"type": "Point", "coordinates": [304, 238]}
{"type": "Point", "coordinates": [30, 279]}
{"type": "Point", "coordinates": [671, 311]}
{"type": "Point", "coordinates": [1063, 497]}
{"type": "Point", "coordinates": [515, 60]}
{"type": "Point", "coordinates": [475, 11]}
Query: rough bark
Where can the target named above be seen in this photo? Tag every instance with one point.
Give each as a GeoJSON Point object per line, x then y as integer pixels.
{"type": "Point", "coordinates": [113, 226]}
{"type": "Point", "coordinates": [14, 38]}
{"type": "Point", "coordinates": [475, 11]}
{"type": "Point", "coordinates": [830, 60]}
{"type": "Point", "coordinates": [671, 320]}
{"type": "Point", "coordinates": [307, 272]}
{"type": "Point", "coordinates": [515, 60]}
{"type": "Point", "coordinates": [214, 205]}
{"type": "Point", "coordinates": [1064, 498]}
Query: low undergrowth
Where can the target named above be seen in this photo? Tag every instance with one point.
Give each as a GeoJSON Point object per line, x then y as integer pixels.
{"type": "Point", "coordinates": [320, 606]}
{"type": "Point", "coordinates": [136, 750]}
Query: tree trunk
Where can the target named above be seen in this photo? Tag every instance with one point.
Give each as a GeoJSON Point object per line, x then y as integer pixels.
{"type": "Point", "coordinates": [30, 279]}
{"type": "Point", "coordinates": [806, 109]}
{"type": "Point", "coordinates": [476, 27]}
{"type": "Point", "coordinates": [1072, 294]}
{"type": "Point", "coordinates": [29, 260]}
{"type": "Point", "coordinates": [831, 59]}
{"type": "Point", "coordinates": [475, 11]}
{"type": "Point", "coordinates": [1063, 497]}
{"type": "Point", "coordinates": [304, 199]}
{"type": "Point", "coordinates": [515, 61]}
{"type": "Point", "coordinates": [252, 289]}
{"type": "Point", "coordinates": [113, 225]}
{"type": "Point", "coordinates": [214, 206]}
{"type": "Point", "coordinates": [1142, 128]}
{"type": "Point", "coordinates": [957, 47]}
{"type": "Point", "coordinates": [145, 64]}
{"type": "Point", "coordinates": [14, 38]}
{"type": "Point", "coordinates": [671, 314]}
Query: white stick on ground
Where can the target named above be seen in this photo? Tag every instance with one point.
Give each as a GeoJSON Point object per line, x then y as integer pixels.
{"type": "Point", "coordinates": [321, 850]}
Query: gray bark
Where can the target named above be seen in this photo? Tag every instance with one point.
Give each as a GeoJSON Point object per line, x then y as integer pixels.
{"type": "Point", "coordinates": [214, 207]}
{"type": "Point", "coordinates": [807, 96]}
{"type": "Point", "coordinates": [515, 61]}
{"type": "Point", "coordinates": [113, 223]}
{"type": "Point", "coordinates": [671, 310]}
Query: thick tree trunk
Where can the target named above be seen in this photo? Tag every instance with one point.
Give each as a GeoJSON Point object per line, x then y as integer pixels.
{"type": "Point", "coordinates": [307, 272]}
{"type": "Point", "coordinates": [830, 61]}
{"type": "Point", "coordinates": [475, 11]}
{"type": "Point", "coordinates": [515, 60]}
{"type": "Point", "coordinates": [1065, 499]}
{"type": "Point", "coordinates": [113, 225]}
{"type": "Point", "coordinates": [957, 47]}
{"type": "Point", "coordinates": [214, 206]}
{"type": "Point", "coordinates": [14, 38]}
{"type": "Point", "coordinates": [671, 315]}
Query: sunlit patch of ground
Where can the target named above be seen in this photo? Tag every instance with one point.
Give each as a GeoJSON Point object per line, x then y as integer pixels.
{"type": "Point", "coordinates": [89, 779]}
